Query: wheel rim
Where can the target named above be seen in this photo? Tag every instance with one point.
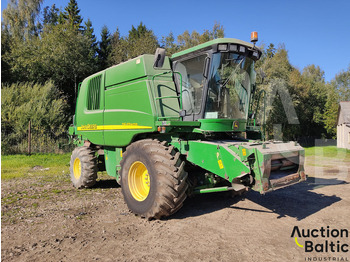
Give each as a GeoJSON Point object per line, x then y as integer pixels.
{"type": "Point", "coordinates": [77, 168]}
{"type": "Point", "coordinates": [139, 181]}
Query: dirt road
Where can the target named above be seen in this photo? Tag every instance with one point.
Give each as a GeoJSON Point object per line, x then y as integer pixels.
{"type": "Point", "coordinates": [45, 219]}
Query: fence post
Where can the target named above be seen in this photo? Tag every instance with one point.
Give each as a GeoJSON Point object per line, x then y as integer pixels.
{"type": "Point", "coordinates": [29, 138]}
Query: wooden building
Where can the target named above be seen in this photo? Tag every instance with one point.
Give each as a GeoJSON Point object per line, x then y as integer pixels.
{"type": "Point", "coordinates": [343, 125]}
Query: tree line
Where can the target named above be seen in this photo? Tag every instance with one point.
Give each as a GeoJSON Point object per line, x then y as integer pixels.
{"type": "Point", "coordinates": [53, 49]}
{"type": "Point", "coordinates": [41, 44]}
{"type": "Point", "coordinates": [301, 104]}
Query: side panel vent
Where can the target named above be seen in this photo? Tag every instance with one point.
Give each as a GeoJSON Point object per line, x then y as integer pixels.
{"type": "Point", "coordinates": [94, 93]}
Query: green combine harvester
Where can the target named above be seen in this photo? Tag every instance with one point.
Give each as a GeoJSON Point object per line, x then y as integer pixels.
{"type": "Point", "coordinates": [168, 127]}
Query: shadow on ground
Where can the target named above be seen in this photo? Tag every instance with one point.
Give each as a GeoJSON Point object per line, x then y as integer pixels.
{"type": "Point", "coordinates": [106, 183]}
{"type": "Point", "coordinates": [296, 201]}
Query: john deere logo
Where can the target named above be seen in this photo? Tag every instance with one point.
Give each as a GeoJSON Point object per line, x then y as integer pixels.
{"type": "Point", "coordinates": [322, 240]}
{"type": "Point", "coordinates": [235, 125]}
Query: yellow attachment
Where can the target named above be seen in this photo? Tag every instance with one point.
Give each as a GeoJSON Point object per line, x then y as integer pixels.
{"type": "Point", "coordinates": [77, 168]}
{"type": "Point", "coordinates": [221, 165]}
{"type": "Point", "coordinates": [139, 181]}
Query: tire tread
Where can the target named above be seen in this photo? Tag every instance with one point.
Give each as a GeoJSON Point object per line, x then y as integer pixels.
{"type": "Point", "coordinates": [171, 177]}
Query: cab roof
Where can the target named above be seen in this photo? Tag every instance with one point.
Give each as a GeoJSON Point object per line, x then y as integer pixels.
{"type": "Point", "coordinates": [209, 44]}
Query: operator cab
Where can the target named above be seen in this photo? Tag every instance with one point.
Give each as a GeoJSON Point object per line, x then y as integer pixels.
{"type": "Point", "coordinates": [217, 79]}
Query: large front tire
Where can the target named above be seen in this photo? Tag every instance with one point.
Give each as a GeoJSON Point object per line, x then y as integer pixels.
{"type": "Point", "coordinates": [83, 167]}
{"type": "Point", "coordinates": [153, 179]}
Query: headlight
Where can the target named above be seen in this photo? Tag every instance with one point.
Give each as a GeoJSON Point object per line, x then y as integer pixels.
{"type": "Point", "coordinates": [242, 49]}
{"type": "Point", "coordinates": [234, 48]}
{"type": "Point", "coordinates": [222, 47]}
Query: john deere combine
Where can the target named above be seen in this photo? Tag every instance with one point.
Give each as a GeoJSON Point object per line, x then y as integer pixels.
{"type": "Point", "coordinates": [166, 127]}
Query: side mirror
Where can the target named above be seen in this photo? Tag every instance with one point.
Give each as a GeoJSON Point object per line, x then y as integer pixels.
{"type": "Point", "coordinates": [159, 58]}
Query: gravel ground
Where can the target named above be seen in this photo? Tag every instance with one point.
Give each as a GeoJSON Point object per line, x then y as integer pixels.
{"type": "Point", "coordinates": [45, 219]}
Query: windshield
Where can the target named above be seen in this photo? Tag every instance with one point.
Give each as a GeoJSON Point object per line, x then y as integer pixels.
{"type": "Point", "coordinates": [229, 86]}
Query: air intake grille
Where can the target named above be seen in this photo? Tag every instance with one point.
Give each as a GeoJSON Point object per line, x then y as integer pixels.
{"type": "Point", "coordinates": [94, 91]}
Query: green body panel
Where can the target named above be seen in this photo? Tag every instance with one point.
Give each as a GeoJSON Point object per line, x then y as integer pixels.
{"type": "Point", "coordinates": [178, 126]}
{"type": "Point", "coordinates": [131, 101]}
{"type": "Point", "coordinates": [179, 123]}
{"type": "Point", "coordinates": [113, 156]}
{"type": "Point", "coordinates": [216, 157]}
{"type": "Point", "coordinates": [111, 161]}
{"type": "Point", "coordinates": [221, 125]}
{"type": "Point", "coordinates": [138, 67]}
{"type": "Point", "coordinates": [88, 120]}
{"type": "Point", "coordinates": [124, 115]}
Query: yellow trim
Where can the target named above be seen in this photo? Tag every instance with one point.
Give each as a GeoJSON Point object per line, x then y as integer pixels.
{"type": "Point", "coordinates": [244, 152]}
{"type": "Point", "coordinates": [139, 181]}
{"type": "Point", "coordinates": [93, 127]}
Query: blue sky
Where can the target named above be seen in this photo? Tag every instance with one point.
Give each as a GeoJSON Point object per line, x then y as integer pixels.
{"type": "Point", "coordinates": [314, 32]}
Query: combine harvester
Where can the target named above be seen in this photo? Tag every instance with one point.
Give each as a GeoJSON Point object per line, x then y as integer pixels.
{"type": "Point", "coordinates": [167, 127]}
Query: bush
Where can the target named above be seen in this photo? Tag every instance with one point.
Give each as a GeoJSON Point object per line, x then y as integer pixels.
{"type": "Point", "coordinates": [43, 105]}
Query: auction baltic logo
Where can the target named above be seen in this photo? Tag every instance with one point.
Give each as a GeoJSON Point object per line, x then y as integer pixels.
{"type": "Point", "coordinates": [323, 241]}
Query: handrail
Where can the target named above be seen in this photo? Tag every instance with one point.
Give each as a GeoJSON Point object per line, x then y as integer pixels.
{"type": "Point", "coordinates": [180, 89]}
{"type": "Point", "coordinates": [165, 97]}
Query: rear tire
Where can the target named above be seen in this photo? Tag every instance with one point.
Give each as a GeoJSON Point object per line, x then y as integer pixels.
{"type": "Point", "coordinates": [153, 179]}
{"type": "Point", "coordinates": [83, 167]}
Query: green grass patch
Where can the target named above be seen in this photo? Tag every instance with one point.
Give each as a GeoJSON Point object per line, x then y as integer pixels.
{"type": "Point", "coordinates": [18, 166]}
{"type": "Point", "coordinates": [328, 151]}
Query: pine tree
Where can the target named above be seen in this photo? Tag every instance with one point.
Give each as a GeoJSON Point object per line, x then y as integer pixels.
{"type": "Point", "coordinates": [104, 48]}
{"type": "Point", "coordinates": [51, 15]}
{"type": "Point", "coordinates": [271, 50]}
{"type": "Point", "coordinates": [119, 46]}
{"type": "Point", "coordinates": [71, 14]}
{"type": "Point", "coordinates": [141, 41]}
{"type": "Point", "coordinates": [61, 19]}
{"type": "Point", "coordinates": [89, 33]}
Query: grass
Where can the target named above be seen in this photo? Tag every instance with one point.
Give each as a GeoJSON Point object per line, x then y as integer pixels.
{"type": "Point", "coordinates": [328, 151]}
{"type": "Point", "coordinates": [27, 190]}
{"type": "Point", "coordinates": [20, 166]}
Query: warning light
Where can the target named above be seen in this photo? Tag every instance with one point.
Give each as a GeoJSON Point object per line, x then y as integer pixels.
{"type": "Point", "coordinates": [254, 37]}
